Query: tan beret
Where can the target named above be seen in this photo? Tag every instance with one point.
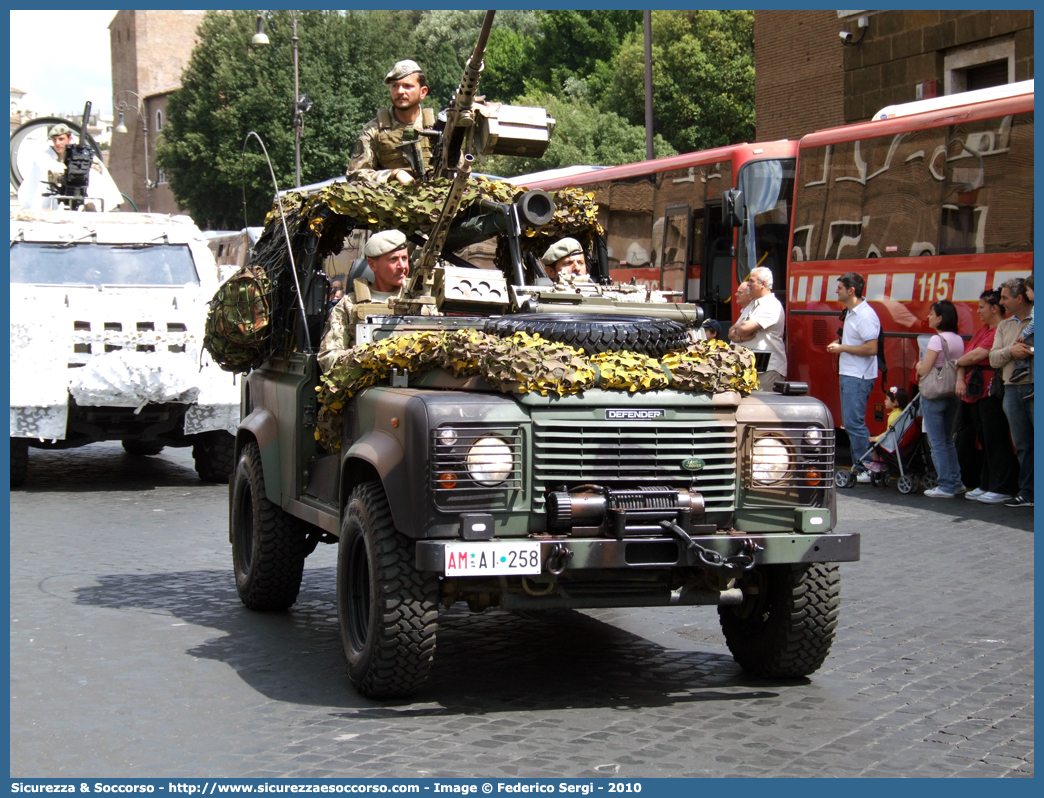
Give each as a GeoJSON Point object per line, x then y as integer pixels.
{"type": "Point", "coordinates": [401, 70]}
{"type": "Point", "coordinates": [59, 130]}
{"type": "Point", "coordinates": [561, 249]}
{"type": "Point", "coordinates": [384, 242]}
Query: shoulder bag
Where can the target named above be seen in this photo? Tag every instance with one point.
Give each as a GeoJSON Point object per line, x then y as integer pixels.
{"type": "Point", "coordinates": [941, 381]}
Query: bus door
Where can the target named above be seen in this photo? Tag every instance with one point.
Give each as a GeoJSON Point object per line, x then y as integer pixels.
{"type": "Point", "coordinates": [716, 278]}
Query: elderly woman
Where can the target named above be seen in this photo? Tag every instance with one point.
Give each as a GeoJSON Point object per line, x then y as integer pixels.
{"type": "Point", "coordinates": [565, 258]}
{"type": "Point", "coordinates": [940, 413]}
{"type": "Point", "coordinates": [999, 472]}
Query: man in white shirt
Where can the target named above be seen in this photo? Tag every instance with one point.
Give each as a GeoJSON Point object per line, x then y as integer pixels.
{"type": "Point", "coordinates": [857, 364]}
{"type": "Point", "coordinates": [760, 327]}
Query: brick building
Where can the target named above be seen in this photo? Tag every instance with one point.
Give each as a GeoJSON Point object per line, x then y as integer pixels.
{"type": "Point", "coordinates": [808, 78]}
{"type": "Point", "coordinates": [149, 51]}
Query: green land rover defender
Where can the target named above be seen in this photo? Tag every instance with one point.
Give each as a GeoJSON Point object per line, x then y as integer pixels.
{"type": "Point", "coordinates": [513, 444]}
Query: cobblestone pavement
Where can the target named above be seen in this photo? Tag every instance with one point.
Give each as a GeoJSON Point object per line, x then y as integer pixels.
{"type": "Point", "coordinates": [131, 655]}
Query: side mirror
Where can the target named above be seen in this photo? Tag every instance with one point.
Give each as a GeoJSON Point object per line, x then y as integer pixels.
{"type": "Point", "coordinates": [731, 203]}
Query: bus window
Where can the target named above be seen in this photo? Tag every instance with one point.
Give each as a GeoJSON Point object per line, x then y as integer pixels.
{"type": "Point", "coordinates": [768, 190]}
{"type": "Point", "coordinates": [675, 249]}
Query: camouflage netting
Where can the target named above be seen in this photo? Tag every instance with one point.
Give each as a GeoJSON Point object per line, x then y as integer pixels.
{"type": "Point", "coordinates": [522, 364]}
{"type": "Point", "coordinates": [334, 212]}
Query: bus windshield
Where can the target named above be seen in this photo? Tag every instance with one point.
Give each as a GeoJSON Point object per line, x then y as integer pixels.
{"type": "Point", "coordinates": [768, 191]}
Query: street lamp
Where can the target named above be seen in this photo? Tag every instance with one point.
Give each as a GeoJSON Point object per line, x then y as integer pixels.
{"type": "Point", "coordinates": [122, 102]}
{"type": "Point", "coordinates": [301, 102]}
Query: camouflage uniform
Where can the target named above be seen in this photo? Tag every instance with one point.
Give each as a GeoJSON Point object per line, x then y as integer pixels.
{"type": "Point", "coordinates": [340, 328]}
{"type": "Point", "coordinates": [374, 155]}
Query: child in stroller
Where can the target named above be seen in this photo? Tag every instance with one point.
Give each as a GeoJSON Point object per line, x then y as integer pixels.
{"type": "Point", "coordinates": [899, 450]}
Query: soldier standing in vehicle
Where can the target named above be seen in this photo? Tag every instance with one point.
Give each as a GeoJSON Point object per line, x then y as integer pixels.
{"type": "Point", "coordinates": [375, 155]}
{"type": "Point", "coordinates": [387, 257]}
{"type": "Point", "coordinates": [565, 258]}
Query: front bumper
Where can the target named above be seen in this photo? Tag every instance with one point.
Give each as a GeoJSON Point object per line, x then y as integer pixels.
{"type": "Point", "coordinates": [666, 552]}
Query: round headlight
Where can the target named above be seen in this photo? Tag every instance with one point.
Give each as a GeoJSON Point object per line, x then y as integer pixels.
{"type": "Point", "coordinates": [489, 461]}
{"type": "Point", "coordinates": [813, 436]}
{"type": "Point", "coordinates": [770, 461]}
{"type": "Point", "coordinates": [447, 436]}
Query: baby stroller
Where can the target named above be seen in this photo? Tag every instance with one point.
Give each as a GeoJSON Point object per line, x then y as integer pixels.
{"type": "Point", "coordinates": [901, 451]}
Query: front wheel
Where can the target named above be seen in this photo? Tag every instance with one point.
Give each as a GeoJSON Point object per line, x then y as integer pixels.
{"type": "Point", "coordinates": [268, 544]}
{"type": "Point", "coordinates": [907, 483]}
{"type": "Point", "coordinates": [843, 478]}
{"type": "Point", "coordinates": [19, 461]}
{"type": "Point", "coordinates": [786, 623]}
{"type": "Point", "coordinates": [215, 456]}
{"type": "Point", "coordinates": [388, 610]}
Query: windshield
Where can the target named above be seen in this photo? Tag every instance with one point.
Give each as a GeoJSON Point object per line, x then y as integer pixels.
{"type": "Point", "coordinates": [768, 192]}
{"type": "Point", "coordinates": [102, 264]}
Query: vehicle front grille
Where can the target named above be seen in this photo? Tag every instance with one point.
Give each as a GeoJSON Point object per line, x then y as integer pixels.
{"type": "Point", "coordinates": [623, 455]}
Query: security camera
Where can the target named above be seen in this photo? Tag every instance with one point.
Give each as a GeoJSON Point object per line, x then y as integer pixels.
{"type": "Point", "coordinates": [846, 37]}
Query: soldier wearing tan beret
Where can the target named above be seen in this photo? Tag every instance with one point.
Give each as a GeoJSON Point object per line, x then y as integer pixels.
{"type": "Point", "coordinates": [388, 259]}
{"type": "Point", "coordinates": [565, 259]}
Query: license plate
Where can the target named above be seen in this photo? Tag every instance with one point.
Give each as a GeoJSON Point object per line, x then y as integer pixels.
{"type": "Point", "coordinates": [498, 558]}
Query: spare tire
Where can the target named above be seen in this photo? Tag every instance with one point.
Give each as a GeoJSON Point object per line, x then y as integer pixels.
{"type": "Point", "coordinates": [596, 333]}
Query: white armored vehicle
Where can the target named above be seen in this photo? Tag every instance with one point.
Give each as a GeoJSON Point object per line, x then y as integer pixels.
{"type": "Point", "coordinates": [107, 316]}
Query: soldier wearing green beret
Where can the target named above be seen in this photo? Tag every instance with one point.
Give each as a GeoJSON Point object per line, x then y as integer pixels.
{"type": "Point", "coordinates": [565, 259]}
{"type": "Point", "coordinates": [387, 257]}
{"type": "Point", "coordinates": [375, 155]}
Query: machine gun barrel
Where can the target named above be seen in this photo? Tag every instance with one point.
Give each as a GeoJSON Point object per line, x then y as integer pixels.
{"type": "Point", "coordinates": [424, 265]}
{"type": "Point", "coordinates": [459, 116]}
{"type": "Point", "coordinates": [86, 119]}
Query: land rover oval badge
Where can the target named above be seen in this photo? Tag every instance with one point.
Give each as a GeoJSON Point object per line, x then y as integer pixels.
{"type": "Point", "coordinates": [693, 464]}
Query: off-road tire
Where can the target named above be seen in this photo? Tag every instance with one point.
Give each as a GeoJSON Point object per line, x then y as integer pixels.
{"type": "Point", "coordinates": [215, 456]}
{"type": "Point", "coordinates": [596, 333]}
{"type": "Point", "coordinates": [19, 461]}
{"type": "Point", "coordinates": [388, 610]}
{"type": "Point", "coordinates": [142, 448]}
{"type": "Point", "coordinates": [268, 545]}
{"type": "Point", "coordinates": [785, 630]}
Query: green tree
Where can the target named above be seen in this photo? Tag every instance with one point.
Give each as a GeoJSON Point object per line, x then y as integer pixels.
{"type": "Point", "coordinates": [703, 78]}
{"type": "Point", "coordinates": [230, 88]}
{"type": "Point", "coordinates": [582, 135]}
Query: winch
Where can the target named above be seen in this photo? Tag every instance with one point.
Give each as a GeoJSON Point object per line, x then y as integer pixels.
{"type": "Point", "coordinates": [622, 513]}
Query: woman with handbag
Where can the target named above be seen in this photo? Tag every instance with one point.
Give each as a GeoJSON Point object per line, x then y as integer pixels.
{"type": "Point", "coordinates": [937, 375]}
{"type": "Point", "coordinates": [999, 472]}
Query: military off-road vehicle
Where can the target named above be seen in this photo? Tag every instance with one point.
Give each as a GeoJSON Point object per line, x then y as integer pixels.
{"type": "Point", "coordinates": [499, 440]}
{"type": "Point", "coordinates": [107, 313]}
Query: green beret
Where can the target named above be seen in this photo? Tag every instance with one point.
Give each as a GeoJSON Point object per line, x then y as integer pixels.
{"type": "Point", "coordinates": [384, 242]}
{"type": "Point", "coordinates": [401, 70]}
{"type": "Point", "coordinates": [59, 130]}
{"type": "Point", "coordinates": [561, 249]}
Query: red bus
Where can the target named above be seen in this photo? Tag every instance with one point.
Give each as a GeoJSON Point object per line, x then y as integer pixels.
{"type": "Point", "coordinates": [935, 201]}
{"type": "Point", "coordinates": [664, 226]}
{"type": "Point", "coordinates": [926, 206]}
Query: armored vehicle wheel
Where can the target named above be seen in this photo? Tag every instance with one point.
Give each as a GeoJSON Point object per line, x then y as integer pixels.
{"type": "Point", "coordinates": [930, 480]}
{"type": "Point", "coordinates": [843, 478]}
{"type": "Point", "coordinates": [907, 483]}
{"type": "Point", "coordinates": [268, 544]}
{"type": "Point", "coordinates": [142, 448]}
{"type": "Point", "coordinates": [596, 333]}
{"type": "Point", "coordinates": [214, 456]}
{"type": "Point", "coordinates": [784, 630]}
{"type": "Point", "coordinates": [388, 610]}
{"type": "Point", "coordinates": [19, 460]}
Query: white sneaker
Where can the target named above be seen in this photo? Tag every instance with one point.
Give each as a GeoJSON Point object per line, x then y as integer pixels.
{"type": "Point", "coordinates": [863, 478]}
{"type": "Point", "coordinates": [961, 489]}
{"type": "Point", "coordinates": [975, 494]}
{"type": "Point", "coordinates": [994, 498]}
{"type": "Point", "coordinates": [937, 493]}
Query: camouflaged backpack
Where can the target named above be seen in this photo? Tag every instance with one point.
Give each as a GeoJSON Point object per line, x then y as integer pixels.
{"type": "Point", "coordinates": [238, 322]}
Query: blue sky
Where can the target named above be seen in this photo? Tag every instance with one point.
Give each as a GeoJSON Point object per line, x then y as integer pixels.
{"type": "Point", "coordinates": [83, 70]}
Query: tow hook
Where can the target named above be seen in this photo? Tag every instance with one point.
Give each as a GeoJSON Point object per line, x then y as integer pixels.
{"type": "Point", "coordinates": [743, 561]}
{"type": "Point", "coordinates": [558, 559]}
